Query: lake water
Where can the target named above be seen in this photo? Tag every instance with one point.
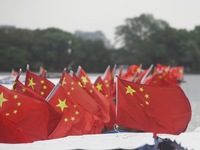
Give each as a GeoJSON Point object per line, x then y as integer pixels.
{"type": "Point", "coordinates": [191, 87]}
{"type": "Point", "coordinates": [192, 90]}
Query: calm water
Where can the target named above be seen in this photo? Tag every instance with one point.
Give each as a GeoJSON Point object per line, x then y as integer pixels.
{"type": "Point", "coordinates": [191, 88]}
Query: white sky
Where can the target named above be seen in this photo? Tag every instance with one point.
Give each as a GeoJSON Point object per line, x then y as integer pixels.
{"type": "Point", "coordinates": [93, 15]}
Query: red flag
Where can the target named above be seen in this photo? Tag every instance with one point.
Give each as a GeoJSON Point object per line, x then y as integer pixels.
{"type": "Point", "coordinates": [152, 109]}
{"type": "Point", "coordinates": [101, 87]}
{"type": "Point", "coordinates": [132, 72]}
{"type": "Point", "coordinates": [29, 114]}
{"type": "Point", "coordinates": [54, 116]}
{"type": "Point", "coordinates": [75, 120]}
{"type": "Point", "coordinates": [39, 84]}
{"type": "Point", "coordinates": [106, 103]}
{"type": "Point", "coordinates": [75, 91]}
{"type": "Point", "coordinates": [101, 100]}
{"type": "Point", "coordinates": [108, 79]}
{"type": "Point", "coordinates": [11, 132]}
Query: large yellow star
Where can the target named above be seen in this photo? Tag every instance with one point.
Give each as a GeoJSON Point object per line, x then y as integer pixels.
{"type": "Point", "coordinates": [62, 104]}
{"type": "Point", "coordinates": [84, 79]}
{"type": "Point", "coordinates": [130, 90]}
{"type": "Point", "coordinates": [2, 99]}
{"type": "Point", "coordinates": [99, 87]}
{"type": "Point", "coordinates": [31, 83]}
{"type": "Point", "coordinates": [63, 81]}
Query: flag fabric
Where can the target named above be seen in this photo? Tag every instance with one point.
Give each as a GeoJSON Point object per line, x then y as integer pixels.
{"type": "Point", "coordinates": [29, 114]}
{"type": "Point", "coordinates": [100, 99]}
{"type": "Point", "coordinates": [75, 119]}
{"type": "Point", "coordinates": [54, 116]}
{"type": "Point", "coordinates": [75, 91]}
{"type": "Point", "coordinates": [108, 79]}
{"type": "Point", "coordinates": [11, 132]}
{"type": "Point", "coordinates": [105, 102]}
{"type": "Point", "coordinates": [162, 77]}
{"type": "Point", "coordinates": [151, 108]}
{"type": "Point", "coordinates": [132, 73]}
{"type": "Point", "coordinates": [101, 87]}
{"type": "Point", "coordinates": [39, 84]}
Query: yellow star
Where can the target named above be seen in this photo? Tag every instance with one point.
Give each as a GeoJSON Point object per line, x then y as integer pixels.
{"type": "Point", "coordinates": [65, 119]}
{"type": "Point", "coordinates": [72, 118]}
{"type": "Point", "coordinates": [2, 99]}
{"type": "Point", "coordinates": [15, 96]}
{"type": "Point", "coordinates": [84, 79]}
{"type": "Point", "coordinates": [91, 90]}
{"type": "Point", "coordinates": [62, 104]}
{"type": "Point", "coordinates": [19, 103]}
{"type": "Point", "coordinates": [147, 102]}
{"type": "Point", "coordinates": [63, 81]}
{"type": "Point", "coordinates": [42, 81]}
{"type": "Point", "coordinates": [77, 112]}
{"type": "Point", "coordinates": [141, 89]}
{"type": "Point", "coordinates": [138, 70]}
{"type": "Point", "coordinates": [74, 106]}
{"type": "Point", "coordinates": [44, 87]}
{"type": "Point", "coordinates": [15, 111]}
{"type": "Point", "coordinates": [146, 95]}
{"type": "Point", "coordinates": [42, 92]}
{"type": "Point", "coordinates": [7, 114]}
{"type": "Point", "coordinates": [99, 87]}
{"type": "Point", "coordinates": [31, 83]}
{"type": "Point", "coordinates": [130, 90]}
{"type": "Point", "coordinates": [23, 90]}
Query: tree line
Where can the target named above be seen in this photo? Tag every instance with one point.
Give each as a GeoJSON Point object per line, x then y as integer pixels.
{"type": "Point", "coordinates": [143, 40]}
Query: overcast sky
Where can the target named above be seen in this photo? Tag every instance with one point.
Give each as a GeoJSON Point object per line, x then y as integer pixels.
{"type": "Point", "coordinates": [93, 15]}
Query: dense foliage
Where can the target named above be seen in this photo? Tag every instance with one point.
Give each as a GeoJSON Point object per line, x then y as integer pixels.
{"type": "Point", "coordinates": [144, 40]}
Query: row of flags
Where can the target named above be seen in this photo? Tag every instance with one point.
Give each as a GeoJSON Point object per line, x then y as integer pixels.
{"type": "Point", "coordinates": [144, 100]}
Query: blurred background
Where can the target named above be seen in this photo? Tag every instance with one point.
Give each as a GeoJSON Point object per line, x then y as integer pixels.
{"type": "Point", "coordinates": [97, 33]}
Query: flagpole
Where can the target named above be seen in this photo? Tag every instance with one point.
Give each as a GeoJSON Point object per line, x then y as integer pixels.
{"type": "Point", "coordinates": [52, 92]}
{"type": "Point", "coordinates": [145, 76]}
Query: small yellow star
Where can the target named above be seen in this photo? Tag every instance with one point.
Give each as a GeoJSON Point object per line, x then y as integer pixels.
{"type": "Point", "coordinates": [147, 102]}
{"type": "Point", "coordinates": [15, 96]}
{"type": "Point", "coordinates": [72, 118]}
{"type": "Point", "coordinates": [65, 119]}
{"type": "Point", "coordinates": [146, 95]}
{"type": "Point", "coordinates": [77, 112]}
{"type": "Point", "coordinates": [42, 81]}
{"type": "Point", "coordinates": [15, 111]}
{"type": "Point", "coordinates": [141, 89]}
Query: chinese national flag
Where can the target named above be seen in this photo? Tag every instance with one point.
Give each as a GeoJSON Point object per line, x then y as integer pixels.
{"type": "Point", "coordinates": [152, 109]}
{"type": "Point", "coordinates": [29, 114]}
{"type": "Point", "coordinates": [11, 132]}
{"type": "Point", "coordinates": [54, 116]}
{"type": "Point", "coordinates": [105, 102]}
{"type": "Point", "coordinates": [101, 87]}
{"type": "Point", "coordinates": [75, 91]}
{"type": "Point", "coordinates": [101, 100]}
{"type": "Point", "coordinates": [39, 84]}
{"type": "Point", "coordinates": [108, 79]}
{"type": "Point", "coordinates": [132, 73]}
{"type": "Point", "coordinates": [75, 119]}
